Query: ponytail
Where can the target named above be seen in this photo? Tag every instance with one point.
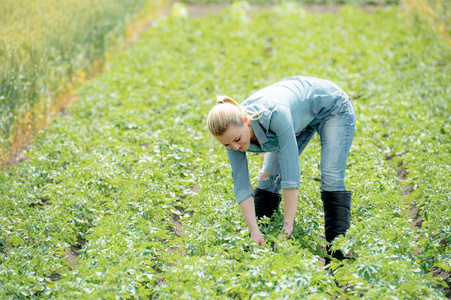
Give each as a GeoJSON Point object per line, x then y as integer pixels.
{"type": "Point", "coordinates": [226, 99]}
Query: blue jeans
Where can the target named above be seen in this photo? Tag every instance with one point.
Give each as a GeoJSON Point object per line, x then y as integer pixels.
{"type": "Point", "coordinates": [336, 134]}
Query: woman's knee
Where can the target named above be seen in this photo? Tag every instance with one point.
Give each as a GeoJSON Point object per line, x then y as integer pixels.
{"type": "Point", "coordinates": [269, 182]}
{"type": "Point", "coordinates": [262, 175]}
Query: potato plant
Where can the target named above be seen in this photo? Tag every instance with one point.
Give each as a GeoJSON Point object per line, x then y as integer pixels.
{"type": "Point", "coordinates": [126, 195]}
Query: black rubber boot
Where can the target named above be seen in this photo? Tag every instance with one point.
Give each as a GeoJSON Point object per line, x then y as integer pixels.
{"type": "Point", "coordinates": [337, 218]}
{"type": "Point", "coordinates": [266, 203]}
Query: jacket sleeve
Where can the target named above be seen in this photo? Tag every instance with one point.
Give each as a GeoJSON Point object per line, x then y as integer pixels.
{"type": "Point", "coordinates": [288, 154]}
{"type": "Point", "coordinates": [240, 173]}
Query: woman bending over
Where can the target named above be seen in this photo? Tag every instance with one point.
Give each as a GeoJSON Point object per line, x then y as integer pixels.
{"type": "Point", "coordinates": [280, 120]}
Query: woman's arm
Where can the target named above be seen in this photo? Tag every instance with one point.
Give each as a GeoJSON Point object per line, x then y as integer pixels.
{"type": "Point", "coordinates": [248, 208]}
{"type": "Point", "coordinates": [240, 174]}
{"type": "Point", "coordinates": [288, 158]}
{"type": "Point", "coordinates": [290, 201]}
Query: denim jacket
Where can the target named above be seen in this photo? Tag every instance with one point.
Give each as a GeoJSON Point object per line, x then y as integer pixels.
{"type": "Point", "coordinates": [284, 109]}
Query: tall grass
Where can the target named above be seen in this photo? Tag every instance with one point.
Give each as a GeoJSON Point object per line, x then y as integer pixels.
{"type": "Point", "coordinates": [46, 46]}
{"type": "Point", "coordinates": [436, 12]}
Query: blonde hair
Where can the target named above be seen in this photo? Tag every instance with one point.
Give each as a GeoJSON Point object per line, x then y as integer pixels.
{"type": "Point", "coordinates": [227, 112]}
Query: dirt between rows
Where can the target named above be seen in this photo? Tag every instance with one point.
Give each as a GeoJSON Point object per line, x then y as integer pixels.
{"type": "Point", "coordinates": [416, 218]}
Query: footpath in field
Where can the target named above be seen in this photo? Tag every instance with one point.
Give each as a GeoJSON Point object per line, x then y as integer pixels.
{"type": "Point", "coordinates": [129, 183]}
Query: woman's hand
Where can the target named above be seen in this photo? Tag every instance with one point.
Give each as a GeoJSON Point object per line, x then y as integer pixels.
{"type": "Point", "coordinates": [258, 237]}
{"type": "Point", "coordinates": [286, 230]}
{"type": "Point", "coordinates": [290, 200]}
{"type": "Point", "coordinates": [247, 206]}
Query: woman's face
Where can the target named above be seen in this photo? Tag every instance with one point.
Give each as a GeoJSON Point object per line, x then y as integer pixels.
{"type": "Point", "coordinates": [237, 138]}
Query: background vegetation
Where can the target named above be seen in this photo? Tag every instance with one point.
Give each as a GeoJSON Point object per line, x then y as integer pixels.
{"type": "Point", "coordinates": [127, 195]}
{"type": "Point", "coordinates": [298, 1]}
{"type": "Point", "coordinates": [44, 53]}
{"type": "Point", "coordinates": [45, 48]}
{"type": "Point", "coordinates": [436, 12]}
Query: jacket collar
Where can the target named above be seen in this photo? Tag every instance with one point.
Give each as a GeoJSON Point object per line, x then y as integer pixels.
{"type": "Point", "coordinates": [261, 134]}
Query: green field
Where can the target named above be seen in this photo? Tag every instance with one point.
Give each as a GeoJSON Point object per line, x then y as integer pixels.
{"type": "Point", "coordinates": [126, 195]}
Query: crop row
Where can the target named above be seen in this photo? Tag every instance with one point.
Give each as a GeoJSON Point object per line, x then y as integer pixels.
{"type": "Point", "coordinates": [129, 180]}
